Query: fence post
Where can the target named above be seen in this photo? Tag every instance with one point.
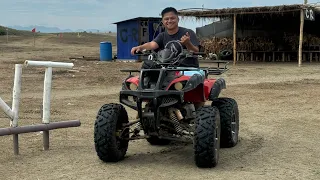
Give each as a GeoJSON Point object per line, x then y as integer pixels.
{"type": "Point", "coordinates": [15, 105]}
{"type": "Point", "coordinates": [46, 105]}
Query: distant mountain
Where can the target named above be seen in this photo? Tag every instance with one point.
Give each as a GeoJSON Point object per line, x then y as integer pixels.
{"type": "Point", "coordinates": [44, 29]}
{"type": "Point", "coordinates": [80, 30]}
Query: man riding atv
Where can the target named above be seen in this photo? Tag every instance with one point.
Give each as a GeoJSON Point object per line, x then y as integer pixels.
{"type": "Point", "coordinates": [187, 38]}
{"type": "Point", "coordinates": [169, 95]}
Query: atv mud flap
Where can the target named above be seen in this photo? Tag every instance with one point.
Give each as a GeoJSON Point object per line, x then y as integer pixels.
{"type": "Point", "coordinates": [158, 99]}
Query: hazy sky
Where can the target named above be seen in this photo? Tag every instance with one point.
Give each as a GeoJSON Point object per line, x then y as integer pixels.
{"type": "Point", "coordinates": [100, 14]}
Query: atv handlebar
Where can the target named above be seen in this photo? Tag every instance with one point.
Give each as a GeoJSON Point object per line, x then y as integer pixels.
{"type": "Point", "coordinates": [174, 58]}
{"type": "Point", "coordinates": [137, 53]}
{"type": "Point", "coordinates": [143, 53]}
{"type": "Point", "coordinates": [199, 53]}
{"type": "Point", "coordinates": [146, 53]}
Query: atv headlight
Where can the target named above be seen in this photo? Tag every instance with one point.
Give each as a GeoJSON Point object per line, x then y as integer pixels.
{"type": "Point", "coordinates": [133, 86]}
{"type": "Point", "coordinates": [178, 86]}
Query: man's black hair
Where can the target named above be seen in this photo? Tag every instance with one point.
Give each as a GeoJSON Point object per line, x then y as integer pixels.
{"type": "Point", "coordinates": [169, 9]}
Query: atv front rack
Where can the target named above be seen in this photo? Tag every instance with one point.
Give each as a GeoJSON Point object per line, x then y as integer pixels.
{"type": "Point", "coordinates": [208, 70]}
{"type": "Point", "coordinates": [130, 70]}
{"type": "Point", "coordinates": [216, 70]}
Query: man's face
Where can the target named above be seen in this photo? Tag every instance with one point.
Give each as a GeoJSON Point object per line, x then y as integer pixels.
{"type": "Point", "coordinates": [170, 20]}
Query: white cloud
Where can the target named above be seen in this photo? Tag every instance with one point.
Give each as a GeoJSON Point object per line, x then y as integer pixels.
{"type": "Point", "coordinates": [75, 14]}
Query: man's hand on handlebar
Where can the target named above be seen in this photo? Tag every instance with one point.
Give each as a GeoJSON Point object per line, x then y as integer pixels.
{"type": "Point", "coordinates": [136, 50]}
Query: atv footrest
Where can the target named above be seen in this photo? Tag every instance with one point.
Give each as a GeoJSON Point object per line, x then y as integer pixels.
{"type": "Point", "coordinates": [137, 137]}
{"type": "Point", "coordinates": [186, 140]}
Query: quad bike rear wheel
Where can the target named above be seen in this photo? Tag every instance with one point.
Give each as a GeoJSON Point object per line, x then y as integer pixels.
{"type": "Point", "coordinates": [229, 114]}
{"type": "Point", "coordinates": [207, 137]}
{"type": "Point", "coordinates": [107, 131]}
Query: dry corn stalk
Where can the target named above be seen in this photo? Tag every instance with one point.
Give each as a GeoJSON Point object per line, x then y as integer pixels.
{"type": "Point", "coordinates": [255, 44]}
{"type": "Point", "coordinates": [215, 45]}
{"type": "Point", "coordinates": [290, 42]}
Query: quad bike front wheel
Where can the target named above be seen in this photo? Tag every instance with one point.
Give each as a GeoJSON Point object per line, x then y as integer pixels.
{"type": "Point", "coordinates": [207, 137]}
{"type": "Point", "coordinates": [108, 133]}
{"type": "Point", "coordinates": [229, 114]}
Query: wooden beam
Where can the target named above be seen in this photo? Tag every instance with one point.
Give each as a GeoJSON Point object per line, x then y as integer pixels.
{"type": "Point", "coordinates": [208, 15]}
{"type": "Point", "coordinates": [301, 37]}
{"type": "Point", "coordinates": [234, 38]}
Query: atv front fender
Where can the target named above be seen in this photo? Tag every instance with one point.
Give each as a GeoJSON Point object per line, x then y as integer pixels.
{"type": "Point", "coordinates": [194, 81]}
{"type": "Point", "coordinates": [217, 88]}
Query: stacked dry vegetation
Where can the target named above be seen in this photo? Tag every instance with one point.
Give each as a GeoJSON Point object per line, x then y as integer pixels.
{"type": "Point", "coordinates": [215, 45]}
{"type": "Point", "coordinates": [290, 42]}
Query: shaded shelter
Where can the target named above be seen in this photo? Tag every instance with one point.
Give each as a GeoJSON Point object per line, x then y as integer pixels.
{"type": "Point", "coordinates": [291, 31]}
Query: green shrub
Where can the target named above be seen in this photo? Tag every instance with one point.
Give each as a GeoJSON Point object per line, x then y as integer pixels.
{"type": "Point", "coordinates": [2, 32]}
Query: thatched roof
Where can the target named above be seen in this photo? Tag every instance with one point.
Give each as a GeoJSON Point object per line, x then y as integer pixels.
{"type": "Point", "coordinates": [212, 13]}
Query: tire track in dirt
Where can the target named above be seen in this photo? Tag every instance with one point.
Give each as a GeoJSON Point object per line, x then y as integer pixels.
{"type": "Point", "coordinates": [181, 154]}
{"type": "Point", "coordinates": [63, 94]}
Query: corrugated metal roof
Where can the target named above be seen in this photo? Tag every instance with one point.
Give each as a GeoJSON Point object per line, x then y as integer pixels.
{"type": "Point", "coordinates": [138, 18]}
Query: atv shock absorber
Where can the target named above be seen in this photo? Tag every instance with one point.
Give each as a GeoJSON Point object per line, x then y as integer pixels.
{"type": "Point", "coordinates": [174, 118]}
{"type": "Point", "coordinates": [137, 129]}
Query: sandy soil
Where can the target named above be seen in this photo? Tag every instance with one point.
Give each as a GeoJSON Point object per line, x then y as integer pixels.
{"type": "Point", "coordinates": [279, 114]}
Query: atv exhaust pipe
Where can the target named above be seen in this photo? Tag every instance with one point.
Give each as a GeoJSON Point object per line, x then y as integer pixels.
{"type": "Point", "coordinates": [176, 112]}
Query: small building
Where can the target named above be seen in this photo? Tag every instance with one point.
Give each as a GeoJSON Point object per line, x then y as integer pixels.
{"type": "Point", "coordinates": [134, 32]}
{"type": "Point", "coordinates": [266, 33]}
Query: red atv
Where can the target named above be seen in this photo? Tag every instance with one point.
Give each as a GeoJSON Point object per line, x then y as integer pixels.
{"type": "Point", "coordinates": [169, 101]}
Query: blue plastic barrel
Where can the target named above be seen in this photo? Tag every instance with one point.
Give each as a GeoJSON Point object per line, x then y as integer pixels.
{"type": "Point", "coordinates": [105, 51]}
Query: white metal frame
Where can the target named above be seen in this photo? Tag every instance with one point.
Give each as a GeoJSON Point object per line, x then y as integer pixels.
{"type": "Point", "coordinates": [13, 113]}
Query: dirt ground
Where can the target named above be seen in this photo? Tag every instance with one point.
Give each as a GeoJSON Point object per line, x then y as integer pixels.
{"type": "Point", "coordinates": [279, 120]}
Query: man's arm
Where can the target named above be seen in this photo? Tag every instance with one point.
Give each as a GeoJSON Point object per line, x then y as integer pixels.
{"type": "Point", "coordinates": [149, 45]}
{"type": "Point", "coordinates": [154, 44]}
{"type": "Point", "coordinates": [194, 42]}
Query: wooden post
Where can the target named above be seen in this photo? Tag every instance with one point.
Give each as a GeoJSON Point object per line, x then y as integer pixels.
{"type": "Point", "coordinates": [234, 39]}
{"type": "Point", "coordinates": [273, 56]}
{"type": "Point", "coordinates": [34, 39]}
{"type": "Point", "coordinates": [7, 34]}
{"type": "Point", "coordinates": [301, 37]}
